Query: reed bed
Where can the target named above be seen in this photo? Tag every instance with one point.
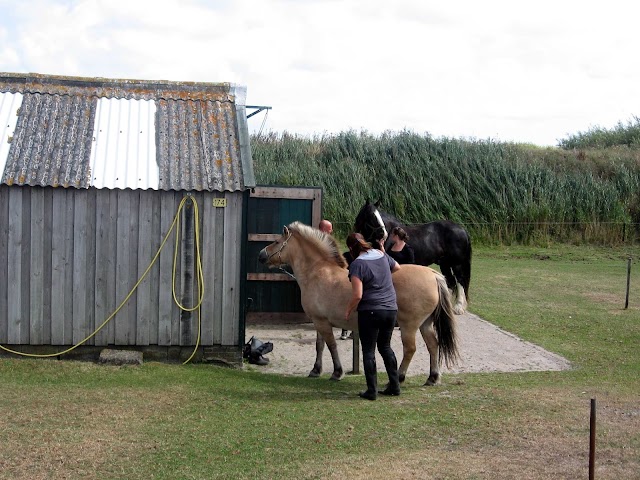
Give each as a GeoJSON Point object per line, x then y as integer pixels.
{"type": "Point", "coordinates": [501, 192]}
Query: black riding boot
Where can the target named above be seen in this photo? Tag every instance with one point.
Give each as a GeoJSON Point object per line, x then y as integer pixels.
{"type": "Point", "coordinates": [393, 387]}
{"type": "Point", "coordinates": [391, 365]}
{"type": "Point", "coordinates": [371, 376]}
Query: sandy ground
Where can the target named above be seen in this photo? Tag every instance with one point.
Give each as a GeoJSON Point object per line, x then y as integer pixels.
{"type": "Point", "coordinates": [483, 348]}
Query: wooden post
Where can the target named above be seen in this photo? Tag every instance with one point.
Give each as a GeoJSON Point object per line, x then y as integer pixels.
{"type": "Point", "coordinates": [356, 353]}
{"type": "Point", "coordinates": [626, 301]}
{"type": "Point", "coordinates": [592, 440]}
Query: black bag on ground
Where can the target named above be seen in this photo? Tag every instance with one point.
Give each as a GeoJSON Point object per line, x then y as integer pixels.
{"type": "Point", "coordinates": [254, 350]}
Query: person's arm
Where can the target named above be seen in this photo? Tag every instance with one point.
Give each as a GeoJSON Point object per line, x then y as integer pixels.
{"type": "Point", "coordinates": [356, 296]}
{"type": "Point", "coordinates": [394, 266]}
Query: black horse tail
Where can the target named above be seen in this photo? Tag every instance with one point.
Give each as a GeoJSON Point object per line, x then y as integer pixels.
{"type": "Point", "coordinates": [466, 272]}
{"type": "Point", "coordinates": [444, 322]}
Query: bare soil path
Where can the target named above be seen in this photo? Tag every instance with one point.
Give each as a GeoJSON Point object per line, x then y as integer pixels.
{"type": "Point", "coordinates": [483, 348]}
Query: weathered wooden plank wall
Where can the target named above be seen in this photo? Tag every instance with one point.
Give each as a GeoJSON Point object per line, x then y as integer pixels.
{"type": "Point", "coordinates": [4, 241]}
{"type": "Point", "coordinates": [231, 265]}
{"type": "Point", "coordinates": [68, 258]}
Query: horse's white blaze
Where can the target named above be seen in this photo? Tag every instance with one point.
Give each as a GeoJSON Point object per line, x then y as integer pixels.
{"type": "Point", "coordinates": [381, 223]}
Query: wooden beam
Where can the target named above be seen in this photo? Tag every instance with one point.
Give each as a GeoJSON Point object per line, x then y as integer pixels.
{"type": "Point", "coordinates": [276, 318]}
{"type": "Point", "coordinates": [277, 192]}
{"type": "Point", "coordinates": [270, 277]}
{"type": "Point", "coordinates": [263, 237]}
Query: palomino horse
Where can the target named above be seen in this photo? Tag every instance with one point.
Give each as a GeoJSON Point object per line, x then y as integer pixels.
{"type": "Point", "coordinates": [442, 242]}
{"type": "Point", "coordinates": [424, 300]}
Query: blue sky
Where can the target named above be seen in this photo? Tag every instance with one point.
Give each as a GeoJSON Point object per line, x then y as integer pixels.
{"type": "Point", "coordinates": [515, 71]}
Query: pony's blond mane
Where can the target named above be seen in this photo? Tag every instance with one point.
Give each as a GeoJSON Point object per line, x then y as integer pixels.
{"type": "Point", "coordinates": [325, 242]}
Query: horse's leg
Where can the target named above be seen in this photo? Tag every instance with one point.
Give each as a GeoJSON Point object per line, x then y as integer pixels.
{"type": "Point", "coordinates": [454, 285]}
{"type": "Point", "coordinates": [430, 339]}
{"type": "Point", "coordinates": [317, 366]}
{"type": "Point", "coordinates": [325, 334]}
{"type": "Point", "coordinates": [408, 336]}
{"type": "Point", "coordinates": [447, 271]}
{"type": "Point", "coordinates": [460, 305]}
{"type": "Point", "coordinates": [463, 272]}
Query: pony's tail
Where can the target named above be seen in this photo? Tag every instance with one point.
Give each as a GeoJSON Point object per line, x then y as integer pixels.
{"type": "Point", "coordinates": [444, 322]}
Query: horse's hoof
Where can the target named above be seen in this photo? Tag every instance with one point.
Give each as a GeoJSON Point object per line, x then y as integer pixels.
{"type": "Point", "coordinates": [314, 374]}
{"type": "Point", "coordinates": [434, 379]}
{"type": "Point", "coordinates": [401, 377]}
{"type": "Point", "coordinates": [458, 310]}
{"type": "Point", "coordinates": [336, 377]}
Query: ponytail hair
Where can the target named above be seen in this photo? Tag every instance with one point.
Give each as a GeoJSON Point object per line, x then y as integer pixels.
{"type": "Point", "coordinates": [357, 244]}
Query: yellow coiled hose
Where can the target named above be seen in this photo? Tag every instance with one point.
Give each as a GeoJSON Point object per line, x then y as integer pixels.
{"type": "Point", "coordinates": [199, 275]}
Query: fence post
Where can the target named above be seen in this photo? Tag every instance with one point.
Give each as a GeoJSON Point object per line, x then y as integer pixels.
{"type": "Point", "coordinates": [592, 440]}
{"type": "Point", "coordinates": [626, 301]}
{"type": "Point", "coordinates": [356, 353]}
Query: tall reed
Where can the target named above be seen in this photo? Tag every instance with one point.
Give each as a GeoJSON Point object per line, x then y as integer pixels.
{"type": "Point", "coordinates": [599, 137]}
{"type": "Point", "coordinates": [501, 192]}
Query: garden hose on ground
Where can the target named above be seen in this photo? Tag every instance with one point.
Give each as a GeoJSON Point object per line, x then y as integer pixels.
{"type": "Point", "coordinates": [199, 275]}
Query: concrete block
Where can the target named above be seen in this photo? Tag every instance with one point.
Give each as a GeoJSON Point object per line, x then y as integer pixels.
{"type": "Point", "coordinates": [120, 357]}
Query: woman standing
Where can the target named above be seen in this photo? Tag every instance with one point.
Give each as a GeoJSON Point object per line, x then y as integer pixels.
{"type": "Point", "coordinates": [375, 297]}
{"type": "Point", "coordinates": [401, 251]}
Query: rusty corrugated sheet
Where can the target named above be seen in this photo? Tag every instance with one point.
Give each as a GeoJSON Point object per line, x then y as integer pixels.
{"type": "Point", "coordinates": [115, 88]}
{"type": "Point", "coordinates": [119, 134]}
{"type": "Point", "coordinates": [204, 156]}
{"type": "Point", "coordinates": [52, 141]}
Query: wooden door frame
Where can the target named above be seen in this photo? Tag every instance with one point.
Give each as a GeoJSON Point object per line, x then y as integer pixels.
{"type": "Point", "coordinates": [294, 193]}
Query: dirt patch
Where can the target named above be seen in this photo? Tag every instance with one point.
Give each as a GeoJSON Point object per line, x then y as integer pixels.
{"type": "Point", "coordinates": [483, 348]}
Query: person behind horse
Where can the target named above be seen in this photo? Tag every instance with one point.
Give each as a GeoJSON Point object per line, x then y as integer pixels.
{"type": "Point", "coordinates": [326, 227]}
{"type": "Point", "coordinates": [400, 250]}
{"type": "Point", "coordinates": [374, 296]}
{"type": "Point", "coordinates": [345, 333]}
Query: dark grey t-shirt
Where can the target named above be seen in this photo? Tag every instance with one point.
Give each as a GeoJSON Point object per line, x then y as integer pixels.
{"type": "Point", "coordinates": [374, 269]}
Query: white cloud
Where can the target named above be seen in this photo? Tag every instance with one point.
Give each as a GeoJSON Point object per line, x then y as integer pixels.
{"type": "Point", "coordinates": [501, 69]}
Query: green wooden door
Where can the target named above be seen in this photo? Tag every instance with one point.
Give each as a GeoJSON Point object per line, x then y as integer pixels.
{"type": "Point", "coordinates": [275, 296]}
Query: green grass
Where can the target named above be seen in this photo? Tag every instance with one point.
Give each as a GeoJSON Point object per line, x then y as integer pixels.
{"type": "Point", "coordinates": [64, 419]}
{"type": "Point", "coordinates": [574, 302]}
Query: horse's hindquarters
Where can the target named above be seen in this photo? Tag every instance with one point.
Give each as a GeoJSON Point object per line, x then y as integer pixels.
{"type": "Point", "coordinates": [417, 294]}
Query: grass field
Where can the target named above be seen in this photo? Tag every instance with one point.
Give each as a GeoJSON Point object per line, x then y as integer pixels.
{"type": "Point", "coordinates": [72, 420]}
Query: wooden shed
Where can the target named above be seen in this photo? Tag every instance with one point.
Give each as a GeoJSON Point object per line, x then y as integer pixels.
{"type": "Point", "coordinates": [93, 172]}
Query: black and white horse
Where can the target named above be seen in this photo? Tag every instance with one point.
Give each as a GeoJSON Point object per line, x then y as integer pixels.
{"type": "Point", "coordinates": [442, 242]}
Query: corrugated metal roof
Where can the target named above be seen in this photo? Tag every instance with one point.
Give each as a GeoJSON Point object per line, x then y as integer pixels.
{"type": "Point", "coordinates": [9, 106]}
{"type": "Point", "coordinates": [124, 145]}
{"type": "Point", "coordinates": [116, 134]}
